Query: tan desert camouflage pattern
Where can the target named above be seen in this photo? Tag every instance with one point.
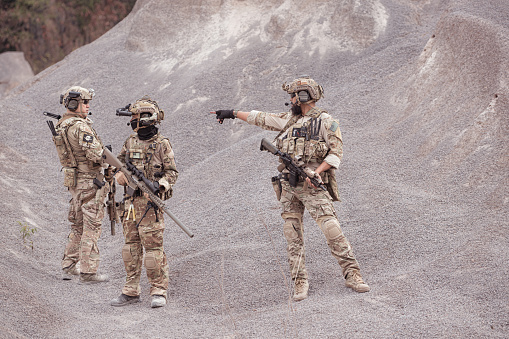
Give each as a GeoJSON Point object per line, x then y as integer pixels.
{"type": "Point", "coordinates": [85, 94]}
{"type": "Point", "coordinates": [86, 215]}
{"type": "Point", "coordinates": [294, 200]}
{"type": "Point", "coordinates": [160, 155]}
{"type": "Point", "coordinates": [319, 205]}
{"type": "Point", "coordinates": [147, 105]}
{"type": "Point", "coordinates": [329, 148]}
{"type": "Point", "coordinates": [87, 201]}
{"type": "Point", "coordinates": [304, 84]}
{"type": "Point", "coordinates": [148, 236]}
{"type": "Point", "coordinates": [86, 146]}
{"type": "Point", "coordinates": [151, 156]}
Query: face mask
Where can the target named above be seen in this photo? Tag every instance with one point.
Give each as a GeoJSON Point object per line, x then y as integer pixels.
{"type": "Point", "coordinates": [148, 132]}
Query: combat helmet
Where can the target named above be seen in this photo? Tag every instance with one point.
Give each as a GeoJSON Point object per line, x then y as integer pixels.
{"type": "Point", "coordinates": [149, 111]}
{"type": "Point", "coordinates": [305, 88]}
{"type": "Point", "coordinates": [72, 97]}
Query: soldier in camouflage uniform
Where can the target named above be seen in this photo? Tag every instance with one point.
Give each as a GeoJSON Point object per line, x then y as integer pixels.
{"type": "Point", "coordinates": [143, 222]}
{"type": "Point", "coordinates": [80, 151]}
{"type": "Point", "coordinates": [313, 138]}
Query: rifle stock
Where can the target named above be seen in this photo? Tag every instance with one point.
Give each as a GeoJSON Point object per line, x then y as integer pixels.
{"type": "Point", "coordinates": [139, 183]}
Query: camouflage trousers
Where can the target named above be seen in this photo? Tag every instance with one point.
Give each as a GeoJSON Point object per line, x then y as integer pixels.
{"type": "Point", "coordinates": [319, 205]}
{"type": "Point", "coordinates": [86, 214]}
{"type": "Point", "coordinates": [147, 235]}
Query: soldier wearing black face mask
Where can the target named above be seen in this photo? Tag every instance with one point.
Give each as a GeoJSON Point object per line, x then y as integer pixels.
{"type": "Point", "coordinates": [312, 138]}
{"type": "Point", "coordinates": [143, 222]}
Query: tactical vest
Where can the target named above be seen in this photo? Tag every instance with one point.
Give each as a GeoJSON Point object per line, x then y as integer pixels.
{"type": "Point", "coordinates": [73, 160]}
{"type": "Point", "coordinates": [141, 155]}
{"type": "Point", "coordinates": [303, 140]}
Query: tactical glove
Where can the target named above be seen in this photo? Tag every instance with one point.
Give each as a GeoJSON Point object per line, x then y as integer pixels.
{"type": "Point", "coordinates": [224, 114]}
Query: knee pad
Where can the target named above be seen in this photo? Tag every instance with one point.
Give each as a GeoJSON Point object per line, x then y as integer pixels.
{"type": "Point", "coordinates": [331, 229]}
{"type": "Point", "coordinates": [126, 253]}
{"type": "Point", "coordinates": [131, 252]}
{"type": "Point", "coordinates": [150, 260]}
{"type": "Point", "coordinates": [292, 228]}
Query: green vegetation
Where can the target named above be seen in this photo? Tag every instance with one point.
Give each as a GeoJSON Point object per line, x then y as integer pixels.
{"type": "Point", "coordinates": [46, 31]}
{"type": "Point", "coordinates": [26, 234]}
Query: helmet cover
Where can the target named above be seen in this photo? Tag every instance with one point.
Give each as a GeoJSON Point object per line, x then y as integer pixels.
{"type": "Point", "coordinates": [304, 83]}
{"type": "Point", "coordinates": [77, 93]}
{"type": "Point", "coordinates": [148, 110]}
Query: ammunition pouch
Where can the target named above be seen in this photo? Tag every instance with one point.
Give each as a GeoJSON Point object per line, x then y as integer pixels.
{"type": "Point", "coordinates": [70, 176]}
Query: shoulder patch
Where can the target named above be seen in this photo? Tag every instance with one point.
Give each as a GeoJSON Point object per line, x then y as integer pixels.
{"type": "Point", "coordinates": [88, 138]}
{"type": "Point", "coordinates": [334, 126]}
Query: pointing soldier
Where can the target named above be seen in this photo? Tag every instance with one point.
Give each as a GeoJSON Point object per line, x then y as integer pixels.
{"type": "Point", "coordinates": [80, 151]}
{"type": "Point", "coordinates": [313, 138]}
{"type": "Point", "coordinates": [142, 220]}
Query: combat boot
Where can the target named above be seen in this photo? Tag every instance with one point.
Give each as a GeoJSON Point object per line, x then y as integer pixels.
{"type": "Point", "coordinates": [158, 301]}
{"type": "Point", "coordinates": [93, 278]}
{"type": "Point", "coordinates": [301, 288]}
{"type": "Point", "coordinates": [69, 271]}
{"type": "Point", "coordinates": [125, 299]}
{"type": "Point", "coordinates": [355, 282]}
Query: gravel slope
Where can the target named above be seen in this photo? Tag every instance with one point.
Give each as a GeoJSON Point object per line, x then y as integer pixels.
{"type": "Point", "coordinates": [420, 89]}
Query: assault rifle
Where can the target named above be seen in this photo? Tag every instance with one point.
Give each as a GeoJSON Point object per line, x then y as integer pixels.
{"type": "Point", "coordinates": [136, 179]}
{"type": "Point", "coordinates": [295, 169]}
{"type": "Point", "coordinates": [50, 123]}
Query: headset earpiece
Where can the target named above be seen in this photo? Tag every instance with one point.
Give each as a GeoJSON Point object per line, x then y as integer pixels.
{"type": "Point", "coordinates": [303, 96]}
{"type": "Point", "coordinates": [73, 104]}
{"type": "Point", "coordinates": [72, 100]}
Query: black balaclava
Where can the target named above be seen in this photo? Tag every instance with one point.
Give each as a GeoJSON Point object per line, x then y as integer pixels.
{"type": "Point", "coordinates": [144, 133]}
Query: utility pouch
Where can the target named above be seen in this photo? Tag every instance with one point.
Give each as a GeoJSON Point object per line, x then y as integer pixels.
{"type": "Point", "coordinates": [276, 184]}
{"type": "Point", "coordinates": [332, 185]}
{"type": "Point", "coordinates": [63, 156]}
{"type": "Point", "coordinates": [70, 176]}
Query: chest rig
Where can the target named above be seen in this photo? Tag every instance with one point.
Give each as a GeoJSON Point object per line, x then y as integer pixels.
{"type": "Point", "coordinates": [142, 154]}
{"type": "Point", "coordinates": [303, 140]}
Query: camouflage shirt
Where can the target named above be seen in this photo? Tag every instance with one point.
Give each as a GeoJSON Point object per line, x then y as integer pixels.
{"type": "Point", "coordinates": [323, 141]}
{"type": "Point", "coordinates": [85, 144]}
{"type": "Point", "coordinates": [154, 157]}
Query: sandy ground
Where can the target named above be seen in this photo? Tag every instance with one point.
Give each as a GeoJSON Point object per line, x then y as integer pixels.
{"type": "Point", "coordinates": [421, 92]}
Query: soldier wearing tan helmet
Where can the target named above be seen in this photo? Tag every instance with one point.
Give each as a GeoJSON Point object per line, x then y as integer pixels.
{"type": "Point", "coordinates": [312, 138]}
{"type": "Point", "coordinates": [143, 222]}
{"type": "Point", "coordinates": [80, 151]}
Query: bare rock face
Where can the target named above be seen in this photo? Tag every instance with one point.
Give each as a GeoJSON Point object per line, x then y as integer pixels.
{"type": "Point", "coordinates": [14, 70]}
